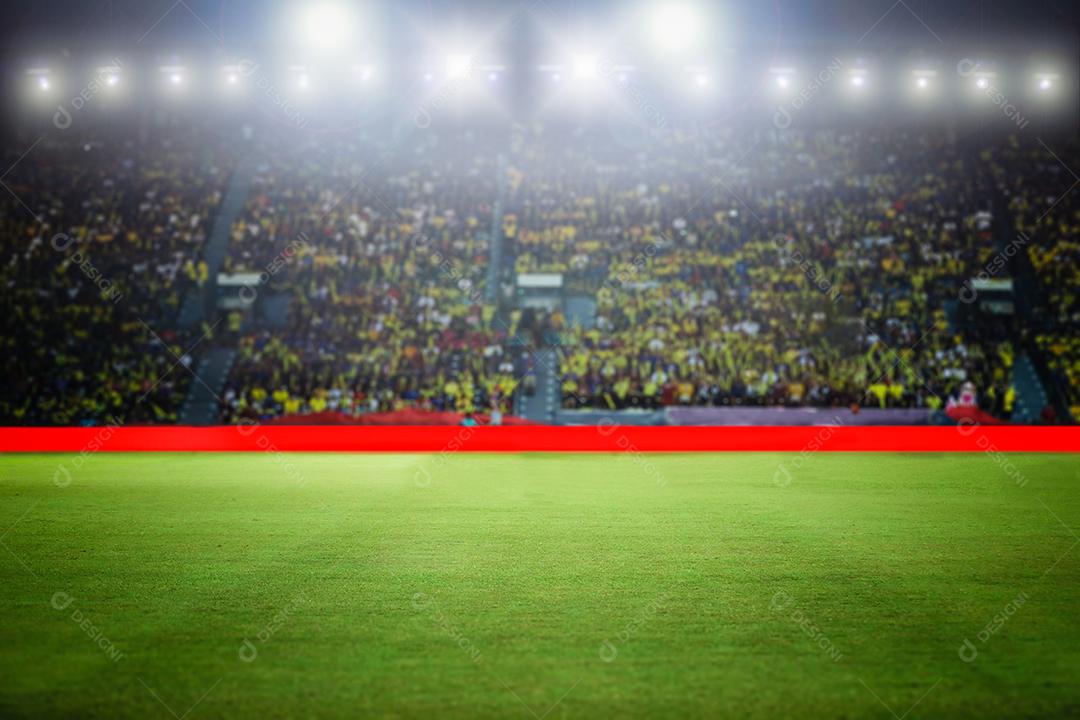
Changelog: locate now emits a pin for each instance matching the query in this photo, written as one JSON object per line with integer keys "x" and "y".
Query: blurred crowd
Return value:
{"x": 769, "y": 269}
{"x": 99, "y": 242}
{"x": 384, "y": 255}
{"x": 713, "y": 267}
{"x": 1043, "y": 185}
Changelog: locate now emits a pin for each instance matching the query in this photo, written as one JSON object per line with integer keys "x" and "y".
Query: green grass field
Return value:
{"x": 539, "y": 586}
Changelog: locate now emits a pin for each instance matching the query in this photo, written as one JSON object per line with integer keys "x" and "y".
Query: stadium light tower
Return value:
{"x": 41, "y": 82}
{"x": 674, "y": 27}
{"x": 174, "y": 76}
{"x": 586, "y": 67}
{"x": 783, "y": 77}
{"x": 1045, "y": 81}
{"x": 109, "y": 76}
{"x": 324, "y": 27}
{"x": 458, "y": 65}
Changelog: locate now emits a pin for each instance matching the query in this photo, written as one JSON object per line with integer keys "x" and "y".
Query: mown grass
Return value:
{"x": 538, "y": 586}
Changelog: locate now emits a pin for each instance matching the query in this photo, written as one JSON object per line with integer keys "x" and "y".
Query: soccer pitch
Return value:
{"x": 539, "y": 586}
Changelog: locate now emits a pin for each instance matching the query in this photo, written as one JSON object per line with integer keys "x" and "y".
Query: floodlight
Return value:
{"x": 858, "y": 80}
{"x": 493, "y": 76}
{"x": 232, "y": 78}
{"x": 784, "y": 77}
{"x": 302, "y": 81}
{"x": 1045, "y": 82}
{"x": 556, "y": 77}
{"x": 701, "y": 79}
{"x": 922, "y": 83}
{"x": 108, "y": 75}
{"x": 325, "y": 27}
{"x": 174, "y": 77}
{"x": 673, "y": 26}
{"x": 43, "y": 83}
{"x": 982, "y": 83}
{"x": 458, "y": 66}
{"x": 585, "y": 67}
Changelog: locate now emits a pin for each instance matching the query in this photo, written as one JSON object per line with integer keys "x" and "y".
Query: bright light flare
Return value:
{"x": 1046, "y": 84}
{"x": 458, "y": 66}
{"x": 674, "y": 27}
{"x": 586, "y": 67}
{"x": 325, "y": 27}
{"x": 784, "y": 77}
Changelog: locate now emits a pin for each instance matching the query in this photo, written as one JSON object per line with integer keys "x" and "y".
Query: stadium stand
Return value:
{"x": 718, "y": 268}
{"x": 815, "y": 269}
{"x": 100, "y": 239}
{"x": 386, "y": 303}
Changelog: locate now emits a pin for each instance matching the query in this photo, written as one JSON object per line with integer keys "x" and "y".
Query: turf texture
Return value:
{"x": 539, "y": 586}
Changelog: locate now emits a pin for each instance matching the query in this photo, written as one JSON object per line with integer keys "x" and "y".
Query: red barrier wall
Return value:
{"x": 601, "y": 438}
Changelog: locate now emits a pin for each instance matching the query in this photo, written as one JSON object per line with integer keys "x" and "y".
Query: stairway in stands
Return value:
{"x": 581, "y": 311}
{"x": 1031, "y": 396}
{"x": 212, "y": 365}
{"x": 541, "y": 406}
{"x": 201, "y": 407}
{"x": 199, "y": 301}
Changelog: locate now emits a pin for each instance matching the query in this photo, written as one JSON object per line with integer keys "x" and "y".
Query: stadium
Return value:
{"x": 662, "y": 358}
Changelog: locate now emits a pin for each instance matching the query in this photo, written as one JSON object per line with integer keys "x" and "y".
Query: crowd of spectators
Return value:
{"x": 726, "y": 268}
{"x": 1042, "y": 186}
{"x": 98, "y": 241}
{"x": 771, "y": 268}
{"x": 383, "y": 254}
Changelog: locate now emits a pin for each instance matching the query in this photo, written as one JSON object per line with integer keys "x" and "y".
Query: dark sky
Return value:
{"x": 930, "y": 25}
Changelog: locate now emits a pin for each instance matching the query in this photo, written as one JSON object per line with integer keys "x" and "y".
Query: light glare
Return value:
{"x": 325, "y": 27}
{"x": 674, "y": 26}
{"x": 458, "y": 65}
{"x": 585, "y": 67}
